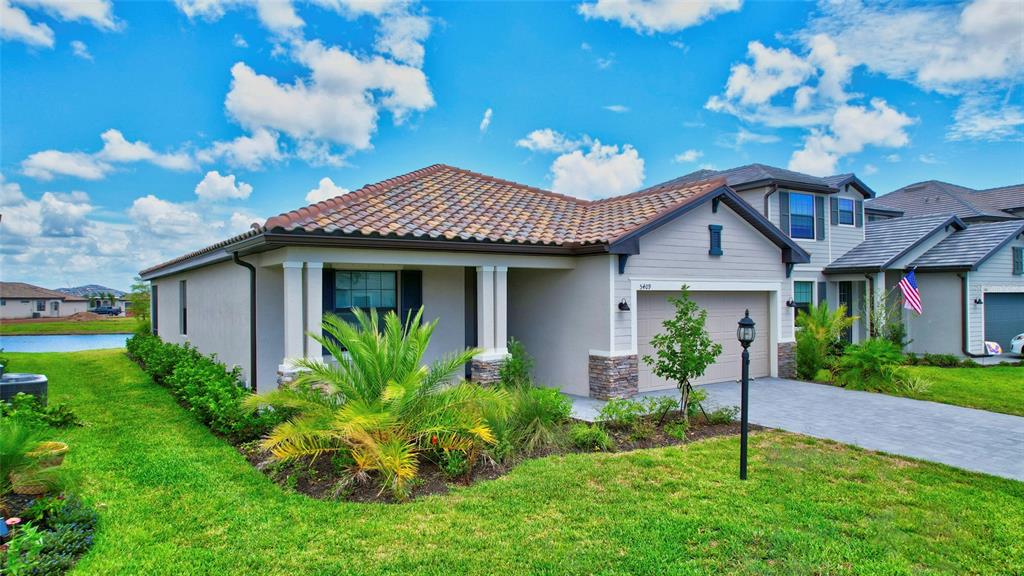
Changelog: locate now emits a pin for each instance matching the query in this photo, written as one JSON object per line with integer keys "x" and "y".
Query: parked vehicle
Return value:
{"x": 1017, "y": 345}
{"x": 107, "y": 310}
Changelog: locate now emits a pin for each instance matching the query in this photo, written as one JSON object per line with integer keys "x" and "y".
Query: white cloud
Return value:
{"x": 485, "y": 122}
{"x": 79, "y": 49}
{"x": 164, "y": 218}
{"x": 972, "y": 51}
{"x": 617, "y": 108}
{"x": 326, "y": 190}
{"x": 772, "y": 72}
{"x": 49, "y": 163}
{"x": 16, "y": 25}
{"x": 737, "y": 140}
{"x": 547, "y": 140}
{"x": 688, "y": 156}
{"x": 650, "y": 16}
{"x": 100, "y": 13}
{"x": 64, "y": 215}
{"x": 214, "y": 187}
{"x": 239, "y": 41}
{"x": 851, "y": 129}
{"x": 250, "y": 152}
{"x": 606, "y": 62}
{"x": 892, "y": 158}
{"x": 870, "y": 169}
{"x": 116, "y": 149}
{"x": 928, "y": 159}
{"x": 241, "y": 221}
{"x": 599, "y": 172}
{"x": 401, "y": 35}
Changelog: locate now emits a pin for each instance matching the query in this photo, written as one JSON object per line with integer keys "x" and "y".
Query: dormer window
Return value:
{"x": 846, "y": 210}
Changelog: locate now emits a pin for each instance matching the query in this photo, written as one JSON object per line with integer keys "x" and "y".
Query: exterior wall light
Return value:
{"x": 979, "y": 301}
{"x": 623, "y": 305}
{"x": 790, "y": 304}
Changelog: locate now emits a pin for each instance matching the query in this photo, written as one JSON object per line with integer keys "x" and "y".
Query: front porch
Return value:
{"x": 467, "y": 293}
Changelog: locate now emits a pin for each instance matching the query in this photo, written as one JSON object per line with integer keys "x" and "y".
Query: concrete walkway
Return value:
{"x": 962, "y": 437}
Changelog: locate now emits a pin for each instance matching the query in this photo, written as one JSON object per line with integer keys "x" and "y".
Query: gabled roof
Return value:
{"x": 936, "y": 197}
{"x": 447, "y": 208}
{"x": 756, "y": 175}
{"x": 886, "y": 241}
{"x": 29, "y": 291}
{"x": 968, "y": 249}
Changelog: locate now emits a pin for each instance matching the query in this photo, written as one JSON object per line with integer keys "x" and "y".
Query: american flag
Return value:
{"x": 911, "y": 297}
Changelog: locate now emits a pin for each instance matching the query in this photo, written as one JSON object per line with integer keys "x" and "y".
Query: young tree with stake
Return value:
{"x": 684, "y": 350}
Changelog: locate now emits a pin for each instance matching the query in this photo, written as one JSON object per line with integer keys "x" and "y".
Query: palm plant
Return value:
{"x": 16, "y": 441}
{"x": 819, "y": 332}
{"x": 379, "y": 402}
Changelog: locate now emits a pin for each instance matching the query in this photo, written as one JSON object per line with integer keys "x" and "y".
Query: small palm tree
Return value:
{"x": 820, "y": 332}
{"x": 380, "y": 403}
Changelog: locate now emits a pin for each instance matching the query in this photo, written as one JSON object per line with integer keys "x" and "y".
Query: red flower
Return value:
{"x": 433, "y": 440}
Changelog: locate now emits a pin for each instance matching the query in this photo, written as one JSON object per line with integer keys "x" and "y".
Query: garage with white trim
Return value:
{"x": 724, "y": 311}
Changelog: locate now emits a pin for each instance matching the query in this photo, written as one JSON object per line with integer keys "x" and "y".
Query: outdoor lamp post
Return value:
{"x": 745, "y": 333}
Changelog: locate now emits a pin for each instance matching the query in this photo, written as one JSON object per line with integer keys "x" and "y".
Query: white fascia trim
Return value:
{"x": 999, "y": 288}
{"x": 611, "y": 354}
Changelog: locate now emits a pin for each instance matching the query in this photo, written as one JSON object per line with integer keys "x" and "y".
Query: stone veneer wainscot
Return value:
{"x": 613, "y": 376}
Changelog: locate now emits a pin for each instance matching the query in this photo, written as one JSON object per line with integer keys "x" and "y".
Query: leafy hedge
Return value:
{"x": 208, "y": 389}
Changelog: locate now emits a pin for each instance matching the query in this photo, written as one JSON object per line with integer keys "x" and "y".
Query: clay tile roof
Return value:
{"x": 442, "y": 201}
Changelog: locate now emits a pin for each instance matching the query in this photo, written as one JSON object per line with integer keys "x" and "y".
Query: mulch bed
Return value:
{"x": 320, "y": 479}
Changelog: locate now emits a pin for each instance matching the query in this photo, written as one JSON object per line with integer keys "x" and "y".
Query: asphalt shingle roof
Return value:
{"x": 936, "y": 197}
{"x": 969, "y": 248}
{"x": 755, "y": 173}
{"x": 887, "y": 240}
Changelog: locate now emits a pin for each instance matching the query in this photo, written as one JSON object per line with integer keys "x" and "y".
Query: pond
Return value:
{"x": 62, "y": 342}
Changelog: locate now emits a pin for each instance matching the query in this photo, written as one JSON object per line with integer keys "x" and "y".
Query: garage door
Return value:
{"x": 724, "y": 310}
{"x": 1004, "y": 317}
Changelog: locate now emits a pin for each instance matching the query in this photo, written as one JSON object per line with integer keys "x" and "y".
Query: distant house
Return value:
{"x": 936, "y": 197}
{"x": 98, "y": 295}
{"x": 20, "y": 300}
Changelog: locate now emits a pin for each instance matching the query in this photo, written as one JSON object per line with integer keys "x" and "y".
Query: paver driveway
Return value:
{"x": 963, "y": 437}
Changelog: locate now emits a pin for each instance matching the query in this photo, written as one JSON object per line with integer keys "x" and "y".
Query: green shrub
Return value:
{"x": 28, "y": 409}
{"x": 677, "y": 429}
{"x": 659, "y": 407}
{"x": 818, "y": 336}
{"x": 515, "y": 370}
{"x": 454, "y": 464}
{"x": 620, "y": 413}
{"x": 210, "y": 391}
{"x": 940, "y": 360}
{"x": 590, "y": 437}
{"x": 537, "y": 415}
{"x": 868, "y": 365}
{"x": 57, "y": 530}
{"x": 642, "y": 429}
{"x": 723, "y": 415}
{"x": 694, "y": 400}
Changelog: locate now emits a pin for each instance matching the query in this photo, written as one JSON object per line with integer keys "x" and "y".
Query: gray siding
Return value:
{"x": 560, "y": 316}
{"x": 679, "y": 251}
{"x": 994, "y": 275}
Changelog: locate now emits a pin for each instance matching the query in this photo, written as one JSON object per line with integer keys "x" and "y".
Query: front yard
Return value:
{"x": 995, "y": 388}
{"x": 107, "y": 325}
{"x": 174, "y": 499}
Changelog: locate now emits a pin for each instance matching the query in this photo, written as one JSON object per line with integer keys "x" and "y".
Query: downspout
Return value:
{"x": 965, "y": 343}
{"x": 252, "y": 318}
{"x": 870, "y": 306}
{"x": 772, "y": 190}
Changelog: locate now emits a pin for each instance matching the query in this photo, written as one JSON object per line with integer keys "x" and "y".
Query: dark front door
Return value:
{"x": 846, "y": 299}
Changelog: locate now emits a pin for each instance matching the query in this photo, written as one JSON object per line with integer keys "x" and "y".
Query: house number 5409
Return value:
{"x": 645, "y": 286}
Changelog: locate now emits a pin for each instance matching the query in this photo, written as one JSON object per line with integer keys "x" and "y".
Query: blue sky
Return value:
{"x": 132, "y": 132}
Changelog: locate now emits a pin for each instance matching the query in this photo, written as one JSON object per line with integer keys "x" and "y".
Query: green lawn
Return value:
{"x": 175, "y": 500}
{"x": 113, "y": 325}
{"x": 995, "y": 388}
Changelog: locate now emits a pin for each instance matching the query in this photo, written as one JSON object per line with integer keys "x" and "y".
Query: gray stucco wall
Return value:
{"x": 218, "y": 312}
{"x": 560, "y": 315}
{"x": 938, "y": 329}
{"x": 444, "y": 300}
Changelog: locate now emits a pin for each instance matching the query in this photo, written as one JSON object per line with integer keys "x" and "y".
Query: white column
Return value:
{"x": 314, "y": 308}
{"x": 501, "y": 310}
{"x": 485, "y": 308}
{"x": 293, "y": 320}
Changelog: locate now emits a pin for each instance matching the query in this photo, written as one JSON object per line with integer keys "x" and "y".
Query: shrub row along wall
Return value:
{"x": 206, "y": 387}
